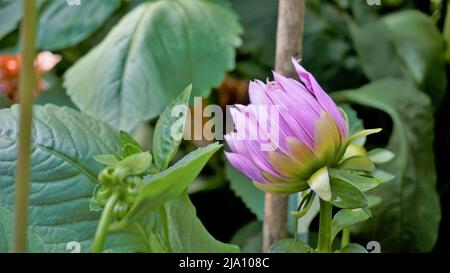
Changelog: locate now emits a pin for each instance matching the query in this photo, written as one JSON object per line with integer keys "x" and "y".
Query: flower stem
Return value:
{"x": 324, "y": 243}
{"x": 103, "y": 224}
{"x": 345, "y": 240}
{"x": 27, "y": 83}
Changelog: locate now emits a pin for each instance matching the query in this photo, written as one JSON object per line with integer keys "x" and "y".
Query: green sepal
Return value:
{"x": 319, "y": 182}
{"x": 357, "y": 162}
{"x": 380, "y": 155}
{"x": 128, "y": 144}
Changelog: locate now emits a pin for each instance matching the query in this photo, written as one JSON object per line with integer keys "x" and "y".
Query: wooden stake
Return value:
{"x": 291, "y": 15}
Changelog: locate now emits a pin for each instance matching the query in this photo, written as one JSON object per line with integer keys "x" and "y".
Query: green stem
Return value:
{"x": 103, "y": 224}
{"x": 27, "y": 84}
{"x": 345, "y": 240}
{"x": 324, "y": 243}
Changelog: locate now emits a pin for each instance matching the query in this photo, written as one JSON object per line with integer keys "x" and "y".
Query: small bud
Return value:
{"x": 106, "y": 176}
{"x": 120, "y": 210}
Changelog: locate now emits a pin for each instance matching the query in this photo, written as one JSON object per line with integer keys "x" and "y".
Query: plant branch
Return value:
{"x": 26, "y": 86}
{"x": 324, "y": 243}
{"x": 345, "y": 239}
{"x": 103, "y": 224}
{"x": 289, "y": 44}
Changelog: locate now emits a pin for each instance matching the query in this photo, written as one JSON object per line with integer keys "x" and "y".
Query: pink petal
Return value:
{"x": 245, "y": 166}
{"x": 325, "y": 101}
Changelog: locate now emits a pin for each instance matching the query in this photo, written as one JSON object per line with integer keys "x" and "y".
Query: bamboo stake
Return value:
{"x": 291, "y": 15}
{"x": 27, "y": 84}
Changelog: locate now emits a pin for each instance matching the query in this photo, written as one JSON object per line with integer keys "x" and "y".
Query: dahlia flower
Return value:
{"x": 304, "y": 129}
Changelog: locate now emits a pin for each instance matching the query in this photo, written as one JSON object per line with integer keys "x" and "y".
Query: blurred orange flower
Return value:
{"x": 10, "y": 71}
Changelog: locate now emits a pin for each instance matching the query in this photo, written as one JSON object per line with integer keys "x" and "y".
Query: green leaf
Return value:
{"x": 354, "y": 122}
{"x": 446, "y": 32}
{"x": 10, "y": 12}
{"x": 34, "y": 242}
{"x": 5, "y": 102}
{"x": 327, "y": 51}
{"x": 346, "y": 195}
{"x": 364, "y": 183}
{"x": 408, "y": 218}
{"x": 347, "y": 218}
{"x": 128, "y": 144}
{"x": 380, "y": 156}
{"x": 408, "y": 45}
{"x": 136, "y": 164}
{"x": 169, "y": 130}
{"x": 106, "y": 159}
{"x": 353, "y": 248}
{"x": 165, "y": 186}
{"x": 259, "y": 19}
{"x": 64, "y": 177}
{"x": 358, "y": 162}
{"x": 62, "y": 25}
{"x": 252, "y": 197}
{"x": 153, "y": 52}
{"x": 290, "y": 246}
{"x": 63, "y": 173}
{"x": 174, "y": 227}
{"x": 186, "y": 232}
{"x": 382, "y": 176}
{"x": 249, "y": 237}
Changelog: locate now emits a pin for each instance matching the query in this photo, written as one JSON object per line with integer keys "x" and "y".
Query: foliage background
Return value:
{"x": 391, "y": 59}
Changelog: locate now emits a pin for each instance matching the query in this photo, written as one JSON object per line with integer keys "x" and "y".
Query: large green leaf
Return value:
{"x": 169, "y": 130}
{"x": 408, "y": 44}
{"x": 34, "y": 242}
{"x": 154, "y": 52}
{"x": 252, "y": 197}
{"x": 10, "y": 14}
{"x": 408, "y": 218}
{"x": 62, "y": 25}
{"x": 63, "y": 173}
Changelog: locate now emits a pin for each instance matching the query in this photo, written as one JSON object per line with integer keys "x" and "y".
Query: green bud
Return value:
{"x": 120, "y": 210}
{"x": 134, "y": 185}
{"x": 103, "y": 194}
{"x": 106, "y": 175}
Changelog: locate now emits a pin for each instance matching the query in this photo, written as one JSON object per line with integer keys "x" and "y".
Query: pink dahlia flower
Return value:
{"x": 304, "y": 129}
